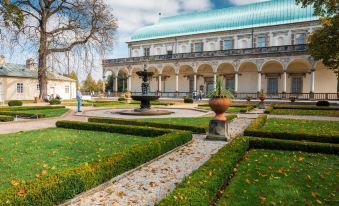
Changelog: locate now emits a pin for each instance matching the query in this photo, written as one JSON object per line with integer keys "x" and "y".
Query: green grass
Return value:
{"x": 321, "y": 128}
{"x": 48, "y": 112}
{"x": 26, "y": 156}
{"x": 273, "y": 177}
{"x": 196, "y": 121}
{"x": 304, "y": 112}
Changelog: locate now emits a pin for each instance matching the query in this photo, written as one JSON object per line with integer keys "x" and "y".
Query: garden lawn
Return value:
{"x": 274, "y": 177}
{"x": 48, "y": 112}
{"x": 196, "y": 121}
{"x": 30, "y": 155}
{"x": 321, "y": 128}
{"x": 305, "y": 112}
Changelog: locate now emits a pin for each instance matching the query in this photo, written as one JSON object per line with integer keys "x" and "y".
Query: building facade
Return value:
{"x": 20, "y": 82}
{"x": 260, "y": 46}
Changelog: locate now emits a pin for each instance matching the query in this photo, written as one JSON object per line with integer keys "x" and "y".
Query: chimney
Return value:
{"x": 30, "y": 64}
{"x": 2, "y": 60}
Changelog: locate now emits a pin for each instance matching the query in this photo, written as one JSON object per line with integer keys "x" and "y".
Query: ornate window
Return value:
{"x": 197, "y": 47}
{"x": 19, "y": 88}
{"x": 300, "y": 38}
{"x": 67, "y": 89}
{"x": 228, "y": 44}
{"x": 261, "y": 41}
{"x": 146, "y": 52}
{"x": 297, "y": 85}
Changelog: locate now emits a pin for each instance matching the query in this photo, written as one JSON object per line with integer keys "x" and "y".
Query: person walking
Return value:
{"x": 79, "y": 98}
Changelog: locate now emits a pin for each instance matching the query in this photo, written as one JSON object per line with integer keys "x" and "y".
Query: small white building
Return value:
{"x": 20, "y": 82}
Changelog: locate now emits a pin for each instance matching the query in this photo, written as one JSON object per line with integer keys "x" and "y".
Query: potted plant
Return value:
{"x": 220, "y": 100}
{"x": 262, "y": 95}
{"x": 293, "y": 99}
{"x": 248, "y": 99}
{"x": 128, "y": 94}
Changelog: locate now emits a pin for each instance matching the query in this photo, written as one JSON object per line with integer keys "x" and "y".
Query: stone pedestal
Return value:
{"x": 262, "y": 105}
{"x": 218, "y": 130}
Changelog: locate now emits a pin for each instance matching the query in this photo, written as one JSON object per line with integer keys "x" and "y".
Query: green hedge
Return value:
{"x": 30, "y": 108}
{"x": 201, "y": 186}
{"x": 277, "y": 144}
{"x": 254, "y": 130}
{"x": 15, "y": 103}
{"x": 6, "y": 118}
{"x": 55, "y": 189}
{"x": 147, "y": 124}
{"x": 303, "y": 107}
{"x": 55, "y": 102}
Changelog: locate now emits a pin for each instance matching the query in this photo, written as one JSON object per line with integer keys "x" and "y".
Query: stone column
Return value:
{"x": 176, "y": 82}
{"x": 195, "y": 82}
{"x": 160, "y": 84}
{"x": 312, "y": 81}
{"x": 215, "y": 80}
{"x": 259, "y": 81}
{"x": 129, "y": 83}
{"x": 115, "y": 87}
{"x": 285, "y": 82}
{"x": 236, "y": 82}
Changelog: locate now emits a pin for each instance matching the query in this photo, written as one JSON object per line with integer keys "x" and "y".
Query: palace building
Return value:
{"x": 260, "y": 46}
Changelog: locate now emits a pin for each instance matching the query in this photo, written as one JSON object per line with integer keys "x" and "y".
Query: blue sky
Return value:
{"x": 131, "y": 15}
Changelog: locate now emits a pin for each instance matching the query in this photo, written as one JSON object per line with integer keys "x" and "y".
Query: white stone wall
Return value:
{"x": 30, "y": 88}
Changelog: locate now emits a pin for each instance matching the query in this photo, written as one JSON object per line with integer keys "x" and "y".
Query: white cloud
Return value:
{"x": 134, "y": 14}
{"x": 242, "y": 2}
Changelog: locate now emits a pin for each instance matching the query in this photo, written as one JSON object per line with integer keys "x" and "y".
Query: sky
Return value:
{"x": 132, "y": 15}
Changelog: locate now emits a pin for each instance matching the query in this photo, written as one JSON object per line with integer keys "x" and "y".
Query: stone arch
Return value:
{"x": 298, "y": 70}
{"x": 168, "y": 83}
{"x": 327, "y": 77}
{"x": 272, "y": 79}
{"x": 298, "y": 65}
{"x": 186, "y": 78}
{"x": 154, "y": 86}
{"x": 272, "y": 66}
{"x": 136, "y": 80}
{"x": 225, "y": 68}
{"x": 122, "y": 77}
{"x": 205, "y": 78}
{"x": 227, "y": 71}
{"x": 248, "y": 77}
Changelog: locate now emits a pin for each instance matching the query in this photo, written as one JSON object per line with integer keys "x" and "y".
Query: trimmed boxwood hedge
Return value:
{"x": 30, "y": 108}
{"x": 303, "y": 107}
{"x": 15, "y": 103}
{"x": 22, "y": 114}
{"x": 201, "y": 186}
{"x": 55, "y": 189}
{"x": 254, "y": 129}
{"x": 6, "y": 118}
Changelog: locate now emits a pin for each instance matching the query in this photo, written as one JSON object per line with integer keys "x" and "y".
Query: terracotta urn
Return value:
{"x": 128, "y": 95}
{"x": 262, "y": 98}
{"x": 219, "y": 106}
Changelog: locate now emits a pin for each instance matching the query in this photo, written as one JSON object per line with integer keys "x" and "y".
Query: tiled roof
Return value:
{"x": 18, "y": 70}
{"x": 261, "y": 14}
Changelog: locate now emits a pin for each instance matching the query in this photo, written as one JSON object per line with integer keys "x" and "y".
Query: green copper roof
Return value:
{"x": 18, "y": 70}
{"x": 267, "y": 13}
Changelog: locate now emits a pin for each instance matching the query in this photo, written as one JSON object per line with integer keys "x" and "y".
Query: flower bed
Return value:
{"x": 315, "y": 131}
{"x": 56, "y": 188}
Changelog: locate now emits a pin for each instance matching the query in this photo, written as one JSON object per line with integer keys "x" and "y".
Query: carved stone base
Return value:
{"x": 262, "y": 105}
{"x": 218, "y": 130}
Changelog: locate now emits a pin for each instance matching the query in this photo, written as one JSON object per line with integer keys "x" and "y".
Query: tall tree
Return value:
{"x": 73, "y": 75}
{"x": 323, "y": 43}
{"x": 100, "y": 86}
{"x": 89, "y": 85}
{"x": 10, "y": 14}
{"x": 58, "y": 26}
{"x": 109, "y": 83}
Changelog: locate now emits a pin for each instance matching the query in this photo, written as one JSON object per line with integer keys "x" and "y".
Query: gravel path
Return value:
{"x": 334, "y": 119}
{"x": 28, "y": 125}
{"x": 151, "y": 182}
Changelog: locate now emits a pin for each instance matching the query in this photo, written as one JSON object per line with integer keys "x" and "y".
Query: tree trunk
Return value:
{"x": 42, "y": 70}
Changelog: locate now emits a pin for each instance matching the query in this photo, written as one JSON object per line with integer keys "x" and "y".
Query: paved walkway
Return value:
{"x": 27, "y": 125}
{"x": 333, "y": 119}
{"x": 151, "y": 182}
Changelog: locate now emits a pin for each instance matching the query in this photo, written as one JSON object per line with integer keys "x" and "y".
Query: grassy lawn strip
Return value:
{"x": 202, "y": 186}
{"x": 44, "y": 113}
{"x": 195, "y": 125}
{"x": 94, "y": 167}
{"x": 273, "y": 177}
{"x": 308, "y": 130}
{"x": 302, "y": 110}
{"x": 25, "y": 155}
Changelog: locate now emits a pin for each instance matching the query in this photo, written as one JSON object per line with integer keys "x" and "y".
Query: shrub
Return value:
{"x": 122, "y": 99}
{"x": 55, "y": 102}
{"x": 22, "y": 114}
{"x": 150, "y": 124}
{"x": 202, "y": 185}
{"x": 54, "y": 189}
{"x": 293, "y": 99}
{"x": 6, "y": 118}
{"x": 188, "y": 101}
{"x": 15, "y": 103}
{"x": 303, "y": 107}
{"x": 323, "y": 104}
{"x": 268, "y": 110}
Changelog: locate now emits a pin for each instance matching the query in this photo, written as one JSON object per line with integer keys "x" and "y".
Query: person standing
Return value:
{"x": 79, "y": 98}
